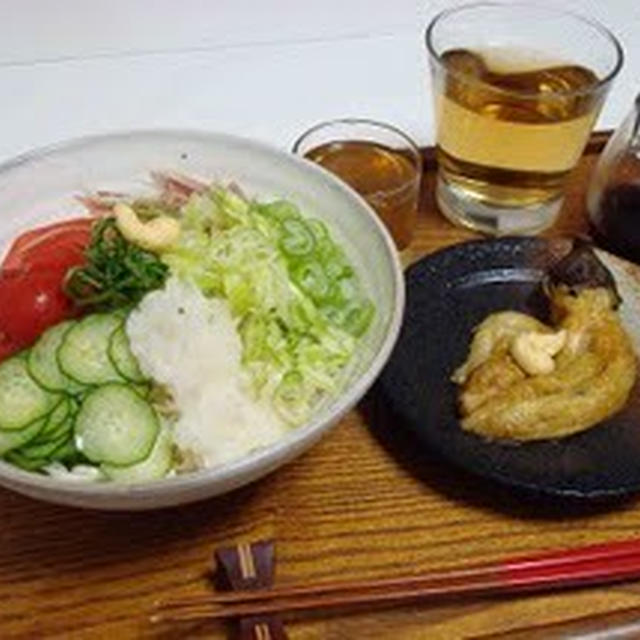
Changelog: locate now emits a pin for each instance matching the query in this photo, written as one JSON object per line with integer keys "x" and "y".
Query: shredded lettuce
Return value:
{"x": 297, "y": 300}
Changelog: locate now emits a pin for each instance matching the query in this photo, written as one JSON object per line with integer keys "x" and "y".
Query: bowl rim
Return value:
{"x": 268, "y": 458}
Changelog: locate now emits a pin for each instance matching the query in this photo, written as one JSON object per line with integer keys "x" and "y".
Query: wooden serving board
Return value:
{"x": 364, "y": 502}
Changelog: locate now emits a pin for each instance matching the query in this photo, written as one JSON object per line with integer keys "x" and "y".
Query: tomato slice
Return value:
{"x": 31, "y": 278}
{"x": 30, "y": 301}
{"x": 74, "y": 231}
{"x": 64, "y": 251}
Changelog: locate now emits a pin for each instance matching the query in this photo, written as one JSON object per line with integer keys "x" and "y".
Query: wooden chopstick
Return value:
{"x": 591, "y": 564}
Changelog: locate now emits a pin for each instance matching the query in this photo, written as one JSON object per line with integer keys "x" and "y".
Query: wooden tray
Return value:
{"x": 360, "y": 504}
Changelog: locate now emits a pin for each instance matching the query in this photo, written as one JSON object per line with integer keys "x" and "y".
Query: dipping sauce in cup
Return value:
{"x": 379, "y": 161}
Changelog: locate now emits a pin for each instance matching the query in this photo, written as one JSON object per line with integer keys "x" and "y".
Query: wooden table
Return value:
{"x": 362, "y": 503}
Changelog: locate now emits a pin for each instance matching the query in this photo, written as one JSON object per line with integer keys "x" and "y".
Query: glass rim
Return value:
{"x": 374, "y": 124}
{"x": 358, "y": 121}
{"x": 590, "y": 22}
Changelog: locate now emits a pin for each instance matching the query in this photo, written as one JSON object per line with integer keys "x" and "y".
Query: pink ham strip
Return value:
{"x": 176, "y": 188}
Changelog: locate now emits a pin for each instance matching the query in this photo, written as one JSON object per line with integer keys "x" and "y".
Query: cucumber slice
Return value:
{"x": 10, "y": 440}
{"x": 143, "y": 389}
{"x": 156, "y": 466}
{"x": 59, "y": 415}
{"x": 84, "y": 352}
{"x": 22, "y": 400}
{"x": 122, "y": 358}
{"x": 67, "y": 452}
{"x": 115, "y": 425}
{"x": 16, "y": 458}
{"x": 43, "y": 361}
{"x": 65, "y": 427}
{"x": 44, "y": 449}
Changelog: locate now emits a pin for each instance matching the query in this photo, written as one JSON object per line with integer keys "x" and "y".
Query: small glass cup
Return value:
{"x": 517, "y": 89}
{"x": 379, "y": 161}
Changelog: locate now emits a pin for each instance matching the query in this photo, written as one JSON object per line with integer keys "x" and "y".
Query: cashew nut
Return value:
{"x": 534, "y": 351}
{"x": 155, "y": 235}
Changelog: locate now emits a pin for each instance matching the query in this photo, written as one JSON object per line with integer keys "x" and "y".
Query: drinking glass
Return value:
{"x": 517, "y": 89}
{"x": 378, "y": 160}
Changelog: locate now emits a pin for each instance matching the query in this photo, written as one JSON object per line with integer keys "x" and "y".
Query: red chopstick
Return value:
{"x": 587, "y": 565}
{"x": 595, "y": 561}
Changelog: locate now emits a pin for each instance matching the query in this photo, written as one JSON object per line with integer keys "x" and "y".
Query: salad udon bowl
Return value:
{"x": 43, "y": 186}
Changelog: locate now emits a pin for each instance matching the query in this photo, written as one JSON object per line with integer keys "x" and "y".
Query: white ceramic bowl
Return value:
{"x": 42, "y": 186}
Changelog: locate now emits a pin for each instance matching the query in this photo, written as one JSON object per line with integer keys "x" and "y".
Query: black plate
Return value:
{"x": 448, "y": 294}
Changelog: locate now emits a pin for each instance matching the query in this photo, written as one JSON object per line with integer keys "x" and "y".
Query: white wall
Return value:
{"x": 261, "y": 68}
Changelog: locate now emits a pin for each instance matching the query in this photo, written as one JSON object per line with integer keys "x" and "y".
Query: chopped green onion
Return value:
{"x": 299, "y": 305}
{"x": 312, "y": 279}
{"x": 117, "y": 273}
{"x": 297, "y": 239}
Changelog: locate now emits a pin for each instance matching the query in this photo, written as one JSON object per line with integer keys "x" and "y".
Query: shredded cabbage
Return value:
{"x": 297, "y": 301}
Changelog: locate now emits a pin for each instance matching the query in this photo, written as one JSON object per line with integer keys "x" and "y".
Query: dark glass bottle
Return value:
{"x": 613, "y": 199}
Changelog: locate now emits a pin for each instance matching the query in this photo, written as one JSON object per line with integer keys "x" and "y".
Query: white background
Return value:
{"x": 261, "y": 68}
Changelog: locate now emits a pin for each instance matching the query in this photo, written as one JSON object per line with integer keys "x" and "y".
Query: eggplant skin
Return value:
{"x": 594, "y": 372}
{"x": 580, "y": 269}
